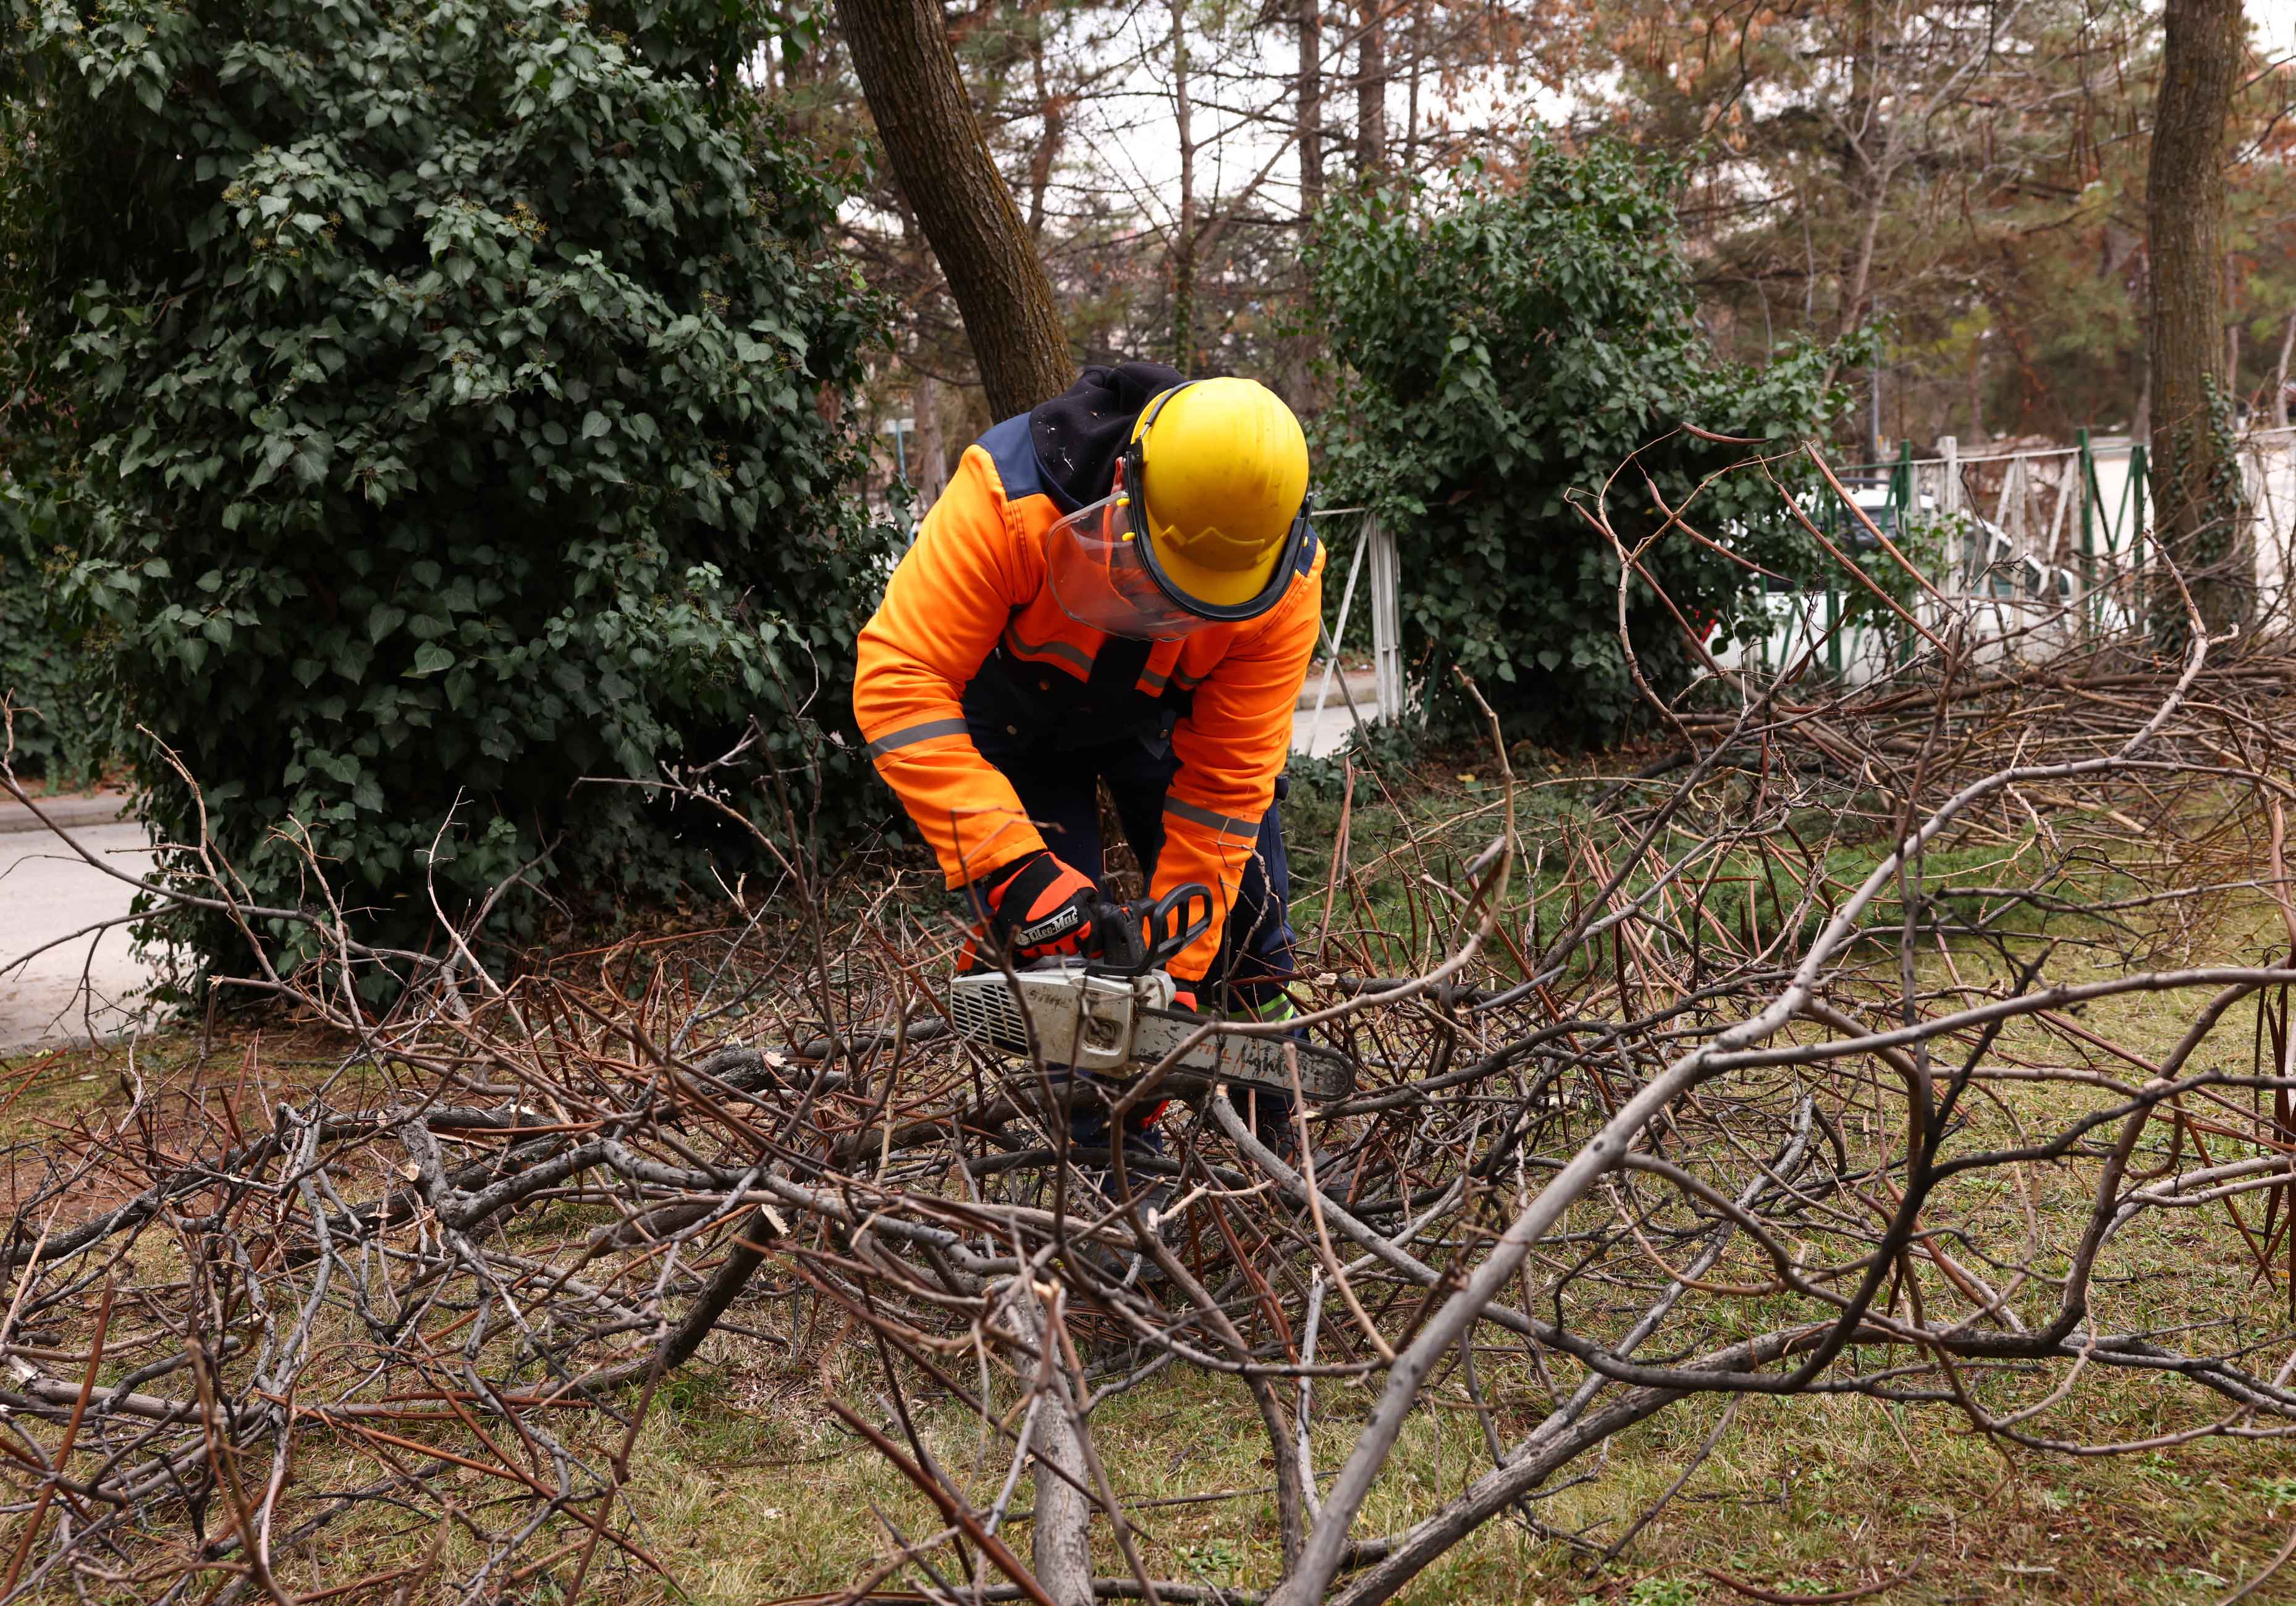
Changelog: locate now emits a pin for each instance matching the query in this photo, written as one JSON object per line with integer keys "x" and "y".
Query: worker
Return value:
{"x": 1120, "y": 585}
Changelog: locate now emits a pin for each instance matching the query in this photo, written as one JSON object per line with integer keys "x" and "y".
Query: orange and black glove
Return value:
{"x": 1042, "y": 906}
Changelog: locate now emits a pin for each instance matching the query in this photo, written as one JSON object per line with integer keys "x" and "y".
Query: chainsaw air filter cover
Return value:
{"x": 1080, "y": 1019}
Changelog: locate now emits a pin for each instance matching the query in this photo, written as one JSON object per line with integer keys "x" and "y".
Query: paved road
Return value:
{"x": 1321, "y": 737}
{"x": 47, "y": 892}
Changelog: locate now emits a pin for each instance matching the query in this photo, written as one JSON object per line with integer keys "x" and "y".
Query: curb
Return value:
{"x": 1363, "y": 685}
{"x": 105, "y": 808}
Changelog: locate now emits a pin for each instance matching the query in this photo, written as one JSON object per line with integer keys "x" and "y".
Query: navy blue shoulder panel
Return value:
{"x": 1012, "y": 449}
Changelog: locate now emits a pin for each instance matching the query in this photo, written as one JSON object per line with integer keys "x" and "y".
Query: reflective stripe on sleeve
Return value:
{"x": 1221, "y": 823}
{"x": 925, "y": 732}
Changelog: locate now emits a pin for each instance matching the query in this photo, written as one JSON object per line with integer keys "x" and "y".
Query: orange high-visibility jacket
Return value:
{"x": 974, "y": 583}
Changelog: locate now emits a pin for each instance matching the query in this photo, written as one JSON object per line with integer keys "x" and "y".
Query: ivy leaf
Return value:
{"x": 1500, "y": 350}
{"x": 333, "y": 548}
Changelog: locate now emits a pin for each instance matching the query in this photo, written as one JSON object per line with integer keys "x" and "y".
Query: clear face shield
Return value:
{"x": 1104, "y": 574}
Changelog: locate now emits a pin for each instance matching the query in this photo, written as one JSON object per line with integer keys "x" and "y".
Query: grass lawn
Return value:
{"x": 746, "y": 1488}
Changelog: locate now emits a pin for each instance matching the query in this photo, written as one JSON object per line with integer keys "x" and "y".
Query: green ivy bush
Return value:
{"x": 58, "y": 725}
{"x": 1501, "y": 349}
{"x": 32, "y": 662}
{"x": 55, "y": 729}
{"x": 462, "y": 392}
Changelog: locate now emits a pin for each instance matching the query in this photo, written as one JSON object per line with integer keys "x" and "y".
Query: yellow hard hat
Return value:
{"x": 1222, "y": 476}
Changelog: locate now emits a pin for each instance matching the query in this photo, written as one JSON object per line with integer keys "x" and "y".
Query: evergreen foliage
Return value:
{"x": 1501, "y": 351}
{"x": 460, "y": 392}
{"x": 56, "y": 724}
{"x": 57, "y": 715}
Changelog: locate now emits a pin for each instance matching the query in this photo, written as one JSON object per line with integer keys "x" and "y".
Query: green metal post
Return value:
{"x": 2086, "y": 468}
{"x": 1833, "y": 631}
{"x": 2088, "y": 526}
{"x": 1901, "y": 492}
{"x": 2139, "y": 471}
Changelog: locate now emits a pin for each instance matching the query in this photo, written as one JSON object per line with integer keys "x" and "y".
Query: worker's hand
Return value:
{"x": 1184, "y": 996}
{"x": 1042, "y": 906}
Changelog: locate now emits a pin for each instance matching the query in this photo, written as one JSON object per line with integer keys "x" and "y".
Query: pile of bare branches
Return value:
{"x": 1741, "y": 1075}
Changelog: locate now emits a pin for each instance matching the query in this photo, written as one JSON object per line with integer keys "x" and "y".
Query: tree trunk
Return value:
{"x": 1309, "y": 133}
{"x": 1053, "y": 111}
{"x": 1371, "y": 92}
{"x": 2232, "y": 323}
{"x": 2140, "y": 423}
{"x": 1061, "y": 1555}
{"x": 1977, "y": 390}
{"x": 2280, "y": 375}
{"x": 908, "y": 72}
{"x": 1183, "y": 245}
{"x": 929, "y": 471}
{"x": 1858, "y": 283}
{"x": 1308, "y": 138}
{"x": 2197, "y": 516}
{"x": 2125, "y": 259}
{"x": 1411, "y": 99}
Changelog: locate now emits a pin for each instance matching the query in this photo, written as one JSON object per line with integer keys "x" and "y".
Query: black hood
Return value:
{"x": 1081, "y": 433}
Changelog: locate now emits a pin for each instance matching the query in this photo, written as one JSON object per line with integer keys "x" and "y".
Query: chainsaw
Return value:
{"x": 1110, "y": 1011}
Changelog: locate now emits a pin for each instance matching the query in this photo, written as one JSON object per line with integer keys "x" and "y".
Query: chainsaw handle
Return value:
{"x": 1176, "y": 920}
{"x": 1136, "y": 938}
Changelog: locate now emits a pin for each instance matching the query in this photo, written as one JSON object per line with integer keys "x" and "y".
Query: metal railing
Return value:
{"x": 1355, "y": 536}
{"x": 2026, "y": 546}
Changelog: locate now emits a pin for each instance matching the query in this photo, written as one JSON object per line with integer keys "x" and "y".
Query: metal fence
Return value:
{"x": 1359, "y": 578}
{"x": 2027, "y": 548}
{"x": 2023, "y": 548}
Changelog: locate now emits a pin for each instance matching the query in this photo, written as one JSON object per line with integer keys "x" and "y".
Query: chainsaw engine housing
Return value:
{"x": 1082, "y": 1019}
{"x": 1115, "y": 1026}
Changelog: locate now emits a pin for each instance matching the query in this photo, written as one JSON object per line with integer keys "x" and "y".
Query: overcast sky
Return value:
{"x": 1123, "y": 139}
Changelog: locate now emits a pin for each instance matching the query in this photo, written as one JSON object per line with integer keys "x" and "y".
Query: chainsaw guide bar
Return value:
{"x": 1115, "y": 1027}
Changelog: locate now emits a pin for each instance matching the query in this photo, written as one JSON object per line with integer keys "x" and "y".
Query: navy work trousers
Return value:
{"x": 1059, "y": 789}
